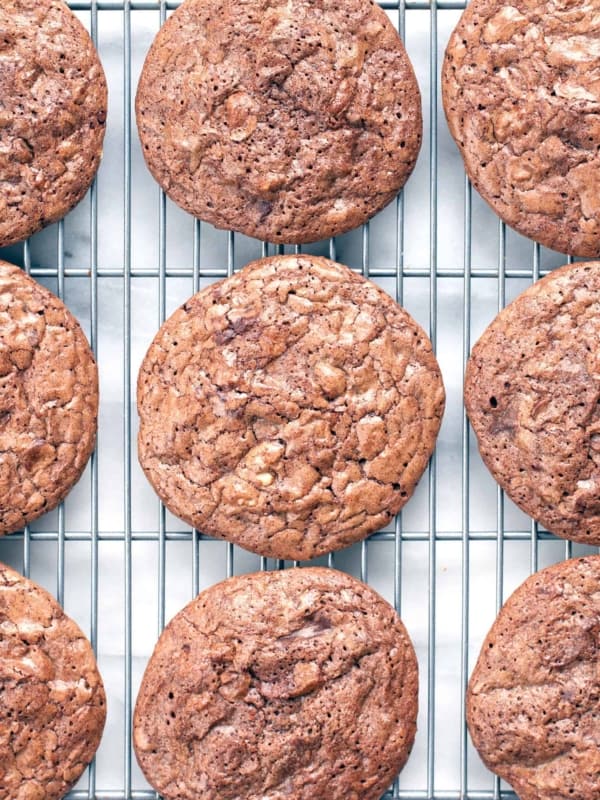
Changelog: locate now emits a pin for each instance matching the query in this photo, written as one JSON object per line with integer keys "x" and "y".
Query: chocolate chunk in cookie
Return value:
{"x": 291, "y": 408}
{"x": 301, "y": 683}
{"x": 288, "y": 121}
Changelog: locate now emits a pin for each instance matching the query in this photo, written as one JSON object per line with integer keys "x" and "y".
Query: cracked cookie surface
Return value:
{"x": 521, "y": 90}
{"x": 532, "y": 701}
{"x": 290, "y": 408}
{"x": 287, "y": 120}
{"x": 48, "y": 399}
{"x": 532, "y": 392}
{"x": 301, "y": 683}
{"x": 53, "y": 703}
{"x": 53, "y": 103}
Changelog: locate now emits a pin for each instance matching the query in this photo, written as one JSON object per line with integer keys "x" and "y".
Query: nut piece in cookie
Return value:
{"x": 301, "y": 683}
{"x": 48, "y": 400}
{"x": 53, "y": 703}
{"x": 522, "y": 98}
{"x": 287, "y": 120}
{"x": 290, "y": 408}
{"x": 532, "y": 392}
{"x": 53, "y": 102}
{"x": 532, "y": 701}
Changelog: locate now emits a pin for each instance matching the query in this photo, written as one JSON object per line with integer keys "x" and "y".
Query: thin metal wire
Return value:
{"x": 196, "y": 288}
{"x": 26, "y": 532}
{"x": 500, "y": 534}
{"x": 415, "y": 271}
{"x": 433, "y": 177}
{"x": 464, "y": 654}
{"x": 127, "y": 728}
{"x": 94, "y": 457}
{"x": 153, "y": 5}
{"x": 399, "y": 287}
{"x": 60, "y": 555}
{"x": 534, "y": 526}
{"x": 380, "y": 536}
{"x": 146, "y": 794}
{"x": 162, "y": 310}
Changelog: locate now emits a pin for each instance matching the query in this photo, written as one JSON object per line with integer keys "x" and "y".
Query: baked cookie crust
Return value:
{"x": 522, "y": 99}
{"x": 532, "y": 701}
{"x": 287, "y": 121}
{"x": 48, "y": 400}
{"x": 291, "y": 408}
{"x": 53, "y": 703}
{"x": 532, "y": 390}
{"x": 301, "y": 683}
{"x": 53, "y": 105}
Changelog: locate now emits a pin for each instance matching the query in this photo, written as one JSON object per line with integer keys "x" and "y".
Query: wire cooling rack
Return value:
{"x": 122, "y": 566}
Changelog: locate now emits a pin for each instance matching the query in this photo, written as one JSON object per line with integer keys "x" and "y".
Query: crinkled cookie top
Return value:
{"x": 532, "y": 703}
{"x": 53, "y": 704}
{"x": 287, "y": 120}
{"x": 521, "y": 88}
{"x": 291, "y": 408}
{"x": 48, "y": 399}
{"x": 301, "y": 683}
{"x": 532, "y": 392}
{"x": 53, "y": 102}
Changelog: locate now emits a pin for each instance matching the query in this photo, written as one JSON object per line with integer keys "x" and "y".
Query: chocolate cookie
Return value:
{"x": 48, "y": 399}
{"x": 301, "y": 683}
{"x": 522, "y": 99}
{"x": 532, "y": 702}
{"x": 532, "y": 392}
{"x": 53, "y": 103}
{"x": 287, "y": 120}
{"x": 291, "y": 408}
{"x": 53, "y": 704}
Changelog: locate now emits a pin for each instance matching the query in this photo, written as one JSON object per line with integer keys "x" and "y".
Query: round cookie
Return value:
{"x": 48, "y": 399}
{"x": 522, "y": 102}
{"x": 532, "y": 701}
{"x": 53, "y": 103}
{"x": 287, "y": 120}
{"x": 532, "y": 392}
{"x": 290, "y": 408}
{"x": 53, "y": 703}
{"x": 301, "y": 683}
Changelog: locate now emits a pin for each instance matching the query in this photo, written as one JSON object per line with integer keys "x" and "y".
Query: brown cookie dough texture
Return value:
{"x": 53, "y": 102}
{"x": 301, "y": 683}
{"x": 48, "y": 399}
{"x": 532, "y": 392}
{"x": 53, "y": 704}
{"x": 287, "y": 120}
{"x": 522, "y": 97}
{"x": 532, "y": 702}
{"x": 291, "y": 408}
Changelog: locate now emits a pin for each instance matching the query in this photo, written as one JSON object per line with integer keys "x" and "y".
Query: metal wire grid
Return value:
{"x": 47, "y": 258}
